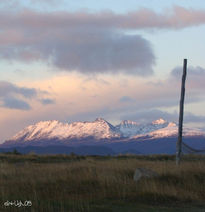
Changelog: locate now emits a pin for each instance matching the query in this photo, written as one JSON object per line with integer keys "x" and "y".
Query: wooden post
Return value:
{"x": 181, "y": 114}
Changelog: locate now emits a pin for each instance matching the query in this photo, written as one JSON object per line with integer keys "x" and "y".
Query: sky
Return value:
{"x": 115, "y": 59}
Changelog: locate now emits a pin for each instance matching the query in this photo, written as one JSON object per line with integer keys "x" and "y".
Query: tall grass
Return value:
{"x": 89, "y": 183}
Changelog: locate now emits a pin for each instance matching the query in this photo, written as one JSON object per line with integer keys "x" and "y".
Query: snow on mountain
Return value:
{"x": 99, "y": 129}
{"x": 101, "y": 137}
{"x": 159, "y": 122}
{"x": 156, "y": 129}
{"x": 42, "y": 130}
{"x": 172, "y": 130}
{"x": 130, "y": 128}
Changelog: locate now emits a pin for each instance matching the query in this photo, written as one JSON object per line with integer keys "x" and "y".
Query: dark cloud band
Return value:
{"x": 16, "y": 97}
{"x": 88, "y": 42}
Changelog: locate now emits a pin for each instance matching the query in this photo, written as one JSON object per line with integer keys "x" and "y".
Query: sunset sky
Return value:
{"x": 77, "y": 60}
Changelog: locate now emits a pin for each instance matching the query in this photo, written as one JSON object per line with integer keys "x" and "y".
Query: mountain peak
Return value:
{"x": 128, "y": 123}
{"x": 172, "y": 124}
{"x": 100, "y": 120}
{"x": 50, "y": 122}
{"x": 159, "y": 121}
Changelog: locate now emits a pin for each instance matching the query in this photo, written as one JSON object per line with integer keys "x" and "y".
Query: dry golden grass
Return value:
{"x": 92, "y": 183}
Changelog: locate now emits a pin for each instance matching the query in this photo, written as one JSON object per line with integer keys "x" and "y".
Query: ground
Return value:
{"x": 74, "y": 183}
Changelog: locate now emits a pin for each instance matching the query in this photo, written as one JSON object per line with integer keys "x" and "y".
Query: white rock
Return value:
{"x": 143, "y": 172}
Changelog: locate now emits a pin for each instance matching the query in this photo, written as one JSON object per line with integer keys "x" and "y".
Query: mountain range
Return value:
{"x": 101, "y": 137}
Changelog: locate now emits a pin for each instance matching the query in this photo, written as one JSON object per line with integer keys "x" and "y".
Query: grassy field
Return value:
{"x": 93, "y": 183}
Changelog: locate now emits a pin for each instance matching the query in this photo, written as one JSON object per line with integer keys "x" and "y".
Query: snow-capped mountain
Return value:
{"x": 130, "y": 128}
{"x": 100, "y": 137}
{"x": 172, "y": 130}
{"x": 98, "y": 129}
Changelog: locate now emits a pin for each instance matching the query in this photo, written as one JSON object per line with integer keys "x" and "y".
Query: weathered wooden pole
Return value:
{"x": 181, "y": 114}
